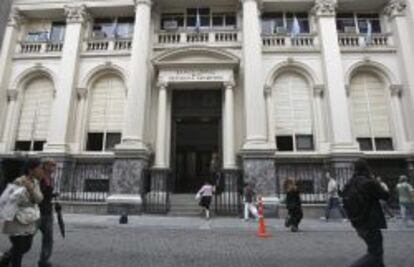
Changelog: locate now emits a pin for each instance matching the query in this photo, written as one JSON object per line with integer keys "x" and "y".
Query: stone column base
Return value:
{"x": 124, "y": 204}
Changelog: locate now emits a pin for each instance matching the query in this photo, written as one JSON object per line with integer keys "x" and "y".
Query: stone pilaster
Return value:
{"x": 260, "y": 171}
{"x": 62, "y": 109}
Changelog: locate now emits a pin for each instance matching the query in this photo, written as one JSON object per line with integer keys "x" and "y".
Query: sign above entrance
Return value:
{"x": 196, "y": 74}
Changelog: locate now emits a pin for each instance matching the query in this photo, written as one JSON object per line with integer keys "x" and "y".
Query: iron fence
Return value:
{"x": 83, "y": 181}
{"x": 156, "y": 191}
{"x": 228, "y": 197}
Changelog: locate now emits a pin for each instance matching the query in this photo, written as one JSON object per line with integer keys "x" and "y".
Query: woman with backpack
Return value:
{"x": 293, "y": 205}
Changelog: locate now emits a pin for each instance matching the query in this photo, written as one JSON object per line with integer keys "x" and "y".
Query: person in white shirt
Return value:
{"x": 206, "y": 193}
{"x": 384, "y": 204}
{"x": 333, "y": 197}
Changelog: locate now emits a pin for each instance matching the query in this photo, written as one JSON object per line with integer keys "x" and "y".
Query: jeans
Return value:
{"x": 407, "y": 210}
{"x": 20, "y": 245}
{"x": 46, "y": 227}
{"x": 333, "y": 203}
{"x": 375, "y": 255}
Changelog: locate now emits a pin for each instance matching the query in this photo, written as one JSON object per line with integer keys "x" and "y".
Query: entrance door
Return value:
{"x": 196, "y": 128}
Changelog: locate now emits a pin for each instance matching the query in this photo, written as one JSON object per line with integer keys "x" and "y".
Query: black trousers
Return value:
{"x": 46, "y": 227}
{"x": 20, "y": 245}
{"x": 295, "y": 215}
{"x": 375, "y": 255}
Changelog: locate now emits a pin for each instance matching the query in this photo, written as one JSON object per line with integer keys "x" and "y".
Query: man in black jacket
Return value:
{"x": 369, "y": 228}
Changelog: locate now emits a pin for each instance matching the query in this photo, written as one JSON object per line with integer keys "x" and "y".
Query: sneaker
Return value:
{"x": 45, "y": 264}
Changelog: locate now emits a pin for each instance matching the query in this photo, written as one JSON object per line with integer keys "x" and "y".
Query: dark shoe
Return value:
{"x": 287, "y": 222}
{"x": 294, "y": 229}
{"x": 44, "y": 264}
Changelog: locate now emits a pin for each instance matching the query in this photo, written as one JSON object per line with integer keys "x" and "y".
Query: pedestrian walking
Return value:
{"x": 249, "y": 196}
{"x": 361, "y": 197}
{"x": 406, "y": 199}
{"x": 384, "y": 204}
{"x": 46, "y": 213}
{"x": 206, "y": 194}
{"x": 333, "y": 198}
{"x": 23, "y": 227}
{"x": 293, "y": 205}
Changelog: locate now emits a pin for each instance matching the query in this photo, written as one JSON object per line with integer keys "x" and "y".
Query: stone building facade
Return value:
{"x": 136, "y": 96}
{"x": 4, "y": 14}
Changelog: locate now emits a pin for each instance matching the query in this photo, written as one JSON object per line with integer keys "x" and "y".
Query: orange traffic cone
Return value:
{"x": 261, "y": 230}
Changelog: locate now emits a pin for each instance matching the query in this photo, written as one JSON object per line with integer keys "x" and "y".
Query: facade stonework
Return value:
{"x": 148, "y": 94}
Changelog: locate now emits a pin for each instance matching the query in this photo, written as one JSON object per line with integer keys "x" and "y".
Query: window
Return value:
{"x": 172, "y": 21}
{"x": 198, "y": 17}
{"x": 227, "y": 20}
{"x": 292, "y": 113}
{"x": 106, "y": 114}
{"x": 122, "y": 27}
{"x": 34, "y": 115}
{"x": 40, "y": 36}
{"x": 370, "y": 113}
{"x": 57, "y": 34}
{"x": 281, "y": 23}
{"x": 357, "y": 23}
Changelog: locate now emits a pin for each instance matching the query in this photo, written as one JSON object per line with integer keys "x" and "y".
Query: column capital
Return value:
{"x": 82, "y": 93}
{"x": 12, "y": 94}
{"x": 143, "y": 2}
{"x": 229, "y": 85}
{"x": 16, "y": 18}
{"x": 319, "y": 90}
{"x": 396, "y": 90}
{"x": 162, "y": 84}
{"x": 259, "y": 2}
{"x": 395, "y": 8}
{"x": 76, "y": 14}
{"x": 324, "y": 8}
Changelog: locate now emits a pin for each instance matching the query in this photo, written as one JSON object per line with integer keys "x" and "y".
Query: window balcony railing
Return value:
{"x": 287, "y": 41}
{"x": 40, "y": 47}
{"x": 98, "y": 45}
{"x": 355, "y": 40}
{"x": 204, "y": 37}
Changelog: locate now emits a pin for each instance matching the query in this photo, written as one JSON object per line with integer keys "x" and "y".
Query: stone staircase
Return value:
{"x": 184, "y": 205}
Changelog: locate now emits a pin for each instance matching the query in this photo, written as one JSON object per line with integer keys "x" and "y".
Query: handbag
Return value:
{"x": 28, "y": 215}
{"x": 8, "y": 201}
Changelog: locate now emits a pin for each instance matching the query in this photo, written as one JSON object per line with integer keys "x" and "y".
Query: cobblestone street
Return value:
{"x": 175, "y": 241}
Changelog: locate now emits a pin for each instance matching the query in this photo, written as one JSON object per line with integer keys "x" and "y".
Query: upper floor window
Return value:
{"x": 54, "y": 32}
{"x": 358, "y": 23}
{"x": 198, "y": 18}
{"x": 278, "y": 22}
{"x": 121, "y": 27}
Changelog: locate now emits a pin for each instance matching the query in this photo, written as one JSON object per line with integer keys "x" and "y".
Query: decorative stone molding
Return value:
{"x": 82, "y": 93}
{"x": 12, "y": 94}
{"x": 16, "y": 19}
{"x": 324, "y": 8}
{"x": 143, "y": 2}
{"x": 347, "y": 90}
{"x": 76, "y": 14}
{"x": 290, "y": 60}
{"x": 162, "y": 84}
{"x": 318, "y": 90}
{"x": 395, "y": 8}
{"x": 396, "y": 90}
{"x": 229, "y": 85}
{"x": 268, "y": 91}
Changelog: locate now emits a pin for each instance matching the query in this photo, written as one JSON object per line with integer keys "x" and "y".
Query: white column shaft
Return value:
{"x": 229, "y": 159}
{"x": 398, "y": 123}
{"x": 160, "y": 154}
{"x": 133, "y": 133}
{"x": 335, "y": 84}
{"x": 9, "y": 126}
{"x": 271, "y": 131}
{"x": 59, "y": 127}
{"x": 319, "y": 121}
{"x": 255, "y": 108}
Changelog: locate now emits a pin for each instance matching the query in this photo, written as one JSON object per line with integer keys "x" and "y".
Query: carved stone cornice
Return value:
{"x": 76, "y": 14}
{"x": 12, "y": 94}
{"x": 229, "y": 85}
{"x": 396, "y": 90}
{"x": 143, "y": 2}
{"x": 16, "y": 19}
{"x": 162, "y": 84}
{"x": 395, "y": 8}
{"x": 82, "y": 93}
{"x": 318, "y": 90}
{"x": 324, "y": 8}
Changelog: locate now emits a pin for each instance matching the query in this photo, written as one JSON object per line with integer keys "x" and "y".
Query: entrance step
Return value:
{"x": 184, "y": 205}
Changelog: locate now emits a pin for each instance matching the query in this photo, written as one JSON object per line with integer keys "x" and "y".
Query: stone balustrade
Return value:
{"x": 212, "y": 37}
{"x": 377, "y": 40}
{"x": 98, "y": 45}
{"x": 40, "y": 47}
{"x": 284, "y": 40}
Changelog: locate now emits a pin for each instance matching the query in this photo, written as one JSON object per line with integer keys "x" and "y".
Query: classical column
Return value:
{"x": 6, "y": 56}
{"x": 398, "y": 121}
{"x": 229, "y": 159}
{"x": 320, "y": 127}
{"x": 62, "y": 109}
{"x": 136, "y": 109}
{"x": 7, "y": 140}
{"x": 395, "y": 10}
{"x": 271, "y": 133}
{"x": 340, "y": 124}
{"x": 81, "y": 115}
{"x": 161, "y": 147}
{"x": 255, "y": 108}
